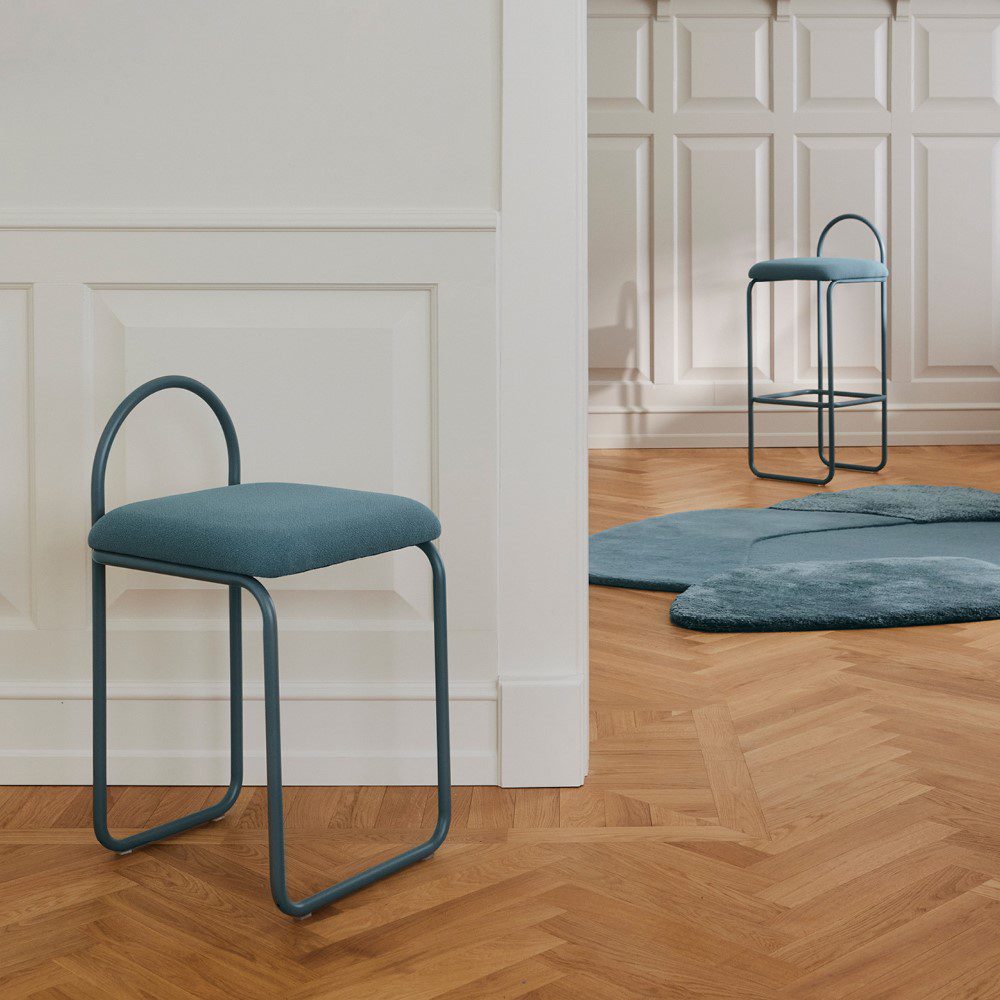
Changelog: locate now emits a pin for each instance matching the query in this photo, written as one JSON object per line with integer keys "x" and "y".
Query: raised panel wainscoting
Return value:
{"x": 307, "y": 220}
{"x": 725, "y": 131}
{"x": 370, "y": 383}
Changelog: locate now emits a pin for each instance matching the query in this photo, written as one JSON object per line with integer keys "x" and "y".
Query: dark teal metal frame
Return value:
{"x": 827, "y": 399}
{"x": 272, "y": 705}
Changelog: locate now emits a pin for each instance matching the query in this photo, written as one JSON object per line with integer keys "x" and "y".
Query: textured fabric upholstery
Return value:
{"x": 817, "y": 269}
{"x": 265, "y": 529}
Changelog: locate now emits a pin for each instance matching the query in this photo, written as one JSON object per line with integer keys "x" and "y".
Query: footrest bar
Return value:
{"x": 855, "y": 399}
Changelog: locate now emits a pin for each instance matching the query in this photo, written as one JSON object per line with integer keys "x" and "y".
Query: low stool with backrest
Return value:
{"x": 231, "y": 535}
{"x": 834, "y": 271}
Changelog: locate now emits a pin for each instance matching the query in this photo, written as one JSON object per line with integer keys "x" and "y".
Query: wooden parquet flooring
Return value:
{"x": 794, "y": 815}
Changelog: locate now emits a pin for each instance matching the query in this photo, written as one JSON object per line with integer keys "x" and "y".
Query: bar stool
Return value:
{"x": 231, "y": 535}
{"x": 835, "y": 271}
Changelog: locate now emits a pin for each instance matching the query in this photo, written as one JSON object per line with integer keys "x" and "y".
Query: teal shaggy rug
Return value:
{"x": 862, "y": 593}
{"x": 873, "y": 557}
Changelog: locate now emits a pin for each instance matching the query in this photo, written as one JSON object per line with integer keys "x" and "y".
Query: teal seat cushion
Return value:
{"x": 265, "y": 529}
{"x": 818, "y": 269}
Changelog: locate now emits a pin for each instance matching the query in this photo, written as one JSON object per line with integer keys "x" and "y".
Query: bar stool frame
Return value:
{"x": 828, "y": 398}
{"x": 272, "y": 705}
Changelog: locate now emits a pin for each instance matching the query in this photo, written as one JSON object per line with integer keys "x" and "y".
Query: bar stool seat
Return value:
{"x": 265, "y": 529}
{"x": 819, "y": 269}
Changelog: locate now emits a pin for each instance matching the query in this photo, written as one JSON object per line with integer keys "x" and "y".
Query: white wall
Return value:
{"x": 297, "y": 204}
{"x": 174, "y": 104}
{"x": 724, "y": 131}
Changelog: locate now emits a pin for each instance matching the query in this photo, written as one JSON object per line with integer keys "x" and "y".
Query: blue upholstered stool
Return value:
{"x": 835, "y": 271}
{"x": 231, "y": 536}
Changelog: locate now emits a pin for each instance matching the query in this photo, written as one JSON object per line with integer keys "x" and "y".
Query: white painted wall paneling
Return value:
{"x": 727, "y": 131}
{"x": 373, "y": 383}
{"x": 307, "y": 221}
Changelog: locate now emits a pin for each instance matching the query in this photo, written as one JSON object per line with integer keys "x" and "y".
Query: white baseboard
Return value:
{"x": 596, "y": 442}
{"x": 39, "y": 767}
{"x": 188, "y": 691}
{"x": 177, "y": 734}
{"x": 535, "y": 714}
{"x": 725, "y": 427}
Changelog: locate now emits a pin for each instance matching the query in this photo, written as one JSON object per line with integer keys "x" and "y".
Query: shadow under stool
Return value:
{"x": 835, "y": 271}
{"x": 231, "y": 535}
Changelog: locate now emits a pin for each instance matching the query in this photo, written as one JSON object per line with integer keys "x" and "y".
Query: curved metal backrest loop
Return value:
{"x": 857, "y": 218}
{"x": 129, "y": 403}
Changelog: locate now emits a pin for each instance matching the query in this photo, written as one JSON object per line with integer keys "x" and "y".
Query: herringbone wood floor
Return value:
{"x": 796, "y": 815}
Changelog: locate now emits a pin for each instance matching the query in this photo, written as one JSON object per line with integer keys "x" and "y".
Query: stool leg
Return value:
{"x": 750, "y": 409}
{"x": 819, "y": 373}
{"x": 272, "y": 717}
{"x": 441, "y": 693}
{"x": 750, "y": 393}
{"x": 235, "y": 691}
{"x": 831, "y": 410}
{"x": 885, "y": 385}
{"x": 885, "y": 397}
{"x": 123, "y": 845}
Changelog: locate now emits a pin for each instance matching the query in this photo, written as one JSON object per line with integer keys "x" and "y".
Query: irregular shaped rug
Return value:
{"x": 923, "y": 504}
{"x": 673, "y": 552}
{"x": 863, "y": 593}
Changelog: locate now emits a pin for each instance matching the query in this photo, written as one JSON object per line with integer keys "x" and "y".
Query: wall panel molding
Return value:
{"x": 723, "y": 64}
{"x": 841, "y": 64}
{"x": 620, "y": 220}
{"x": 956, "y": 243}
{"x": 786, "y": 10}
{"x": 304, "y": 219}
{"x": 619, "y": 64}
{"x": 16, "y": 429}
{"x": 827, "y": 167}
{"x": 956, "y": 64}
{"x": 723, "y": 209}
{"x": 390, "y": 370}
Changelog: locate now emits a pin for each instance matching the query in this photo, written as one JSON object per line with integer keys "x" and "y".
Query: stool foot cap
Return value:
{"x": 122, "y": 854}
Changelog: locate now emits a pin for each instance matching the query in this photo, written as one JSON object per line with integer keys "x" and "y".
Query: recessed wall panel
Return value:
{"x": 326, "y": 386}
{"x": 835, "y": 174}
{"x": 619, "y": 255}
{"x": 618, "y": 64}
{"x": 841, "y": 64}
{"x": 956, "y": 64}
{"x": 15, "y": 439}
{"x": 723, "y": 226}
{"x": 956, "y": 288}
{"x": 723, "y": 64}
